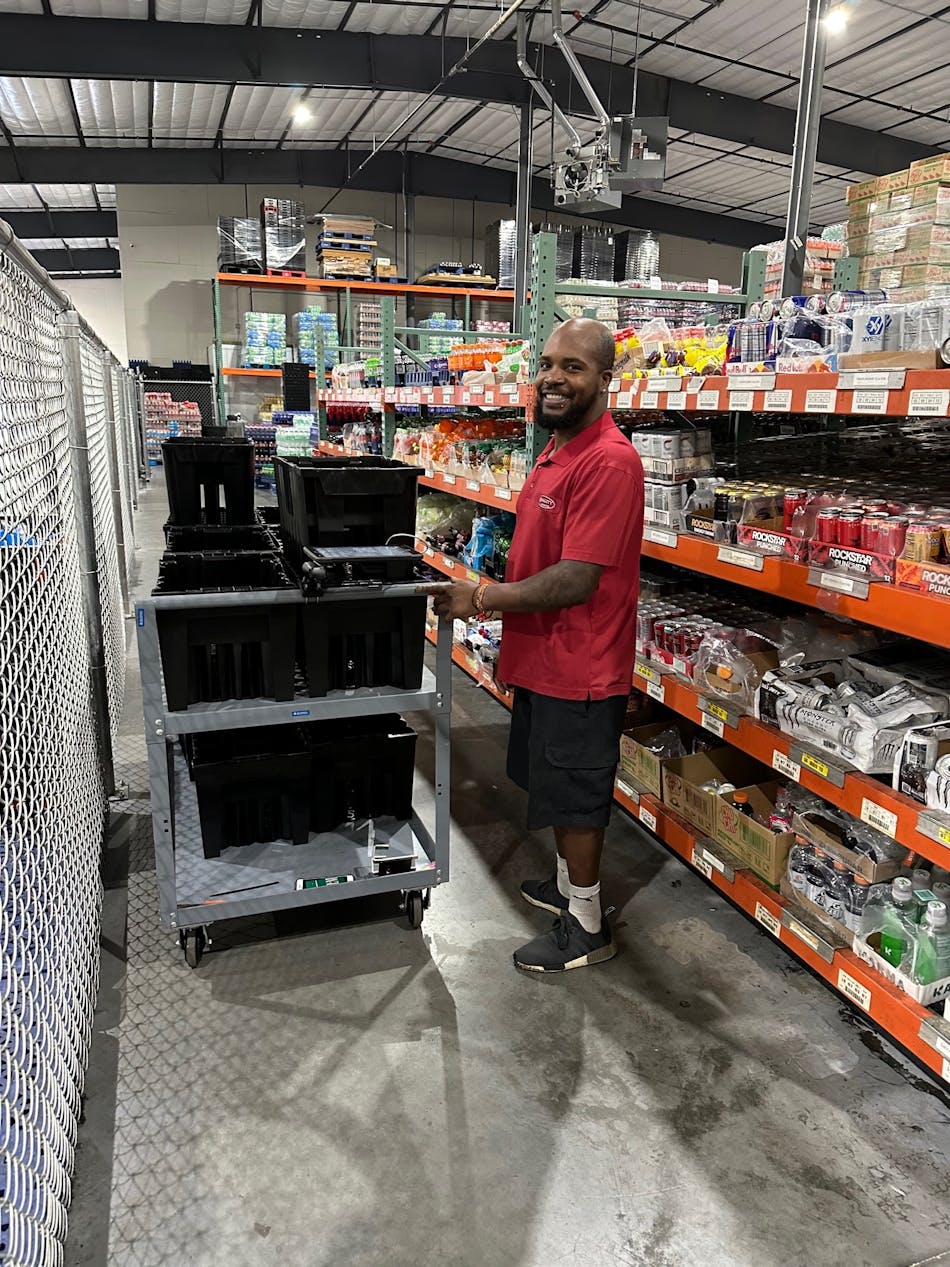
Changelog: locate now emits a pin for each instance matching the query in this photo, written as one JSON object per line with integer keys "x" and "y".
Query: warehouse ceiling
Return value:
{"x": 105, "y": 92}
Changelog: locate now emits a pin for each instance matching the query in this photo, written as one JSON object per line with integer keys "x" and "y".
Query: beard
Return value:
{"x": 566, "y": 418}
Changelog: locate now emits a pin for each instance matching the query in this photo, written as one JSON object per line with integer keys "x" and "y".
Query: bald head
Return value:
{"x": 588, "y": 338}
{"x": 574, "y": 371}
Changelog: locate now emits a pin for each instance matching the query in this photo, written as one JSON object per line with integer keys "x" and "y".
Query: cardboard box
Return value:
{"x": 781, "y": 544}
{"x": 858, "y": 193}
{"x": 841, "y": 931}
{"x": 818, "y": 829}
{"x": 761, "y": 849}
{"x": 683, "y": 777}
{"x": 926, "y": 171}
{"x": 898, "y": 360}
{"x": 925, "y": 994}
{"x": 645, "y": 766}
{"x": 877, "y": 567}
{"x": 894, "y": 182}
{"x": 925, "y": 578}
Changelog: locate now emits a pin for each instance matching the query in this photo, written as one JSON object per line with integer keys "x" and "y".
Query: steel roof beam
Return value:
{"x": 62, "y": 224}
{"x": 429, "y": 175}
{"x": 107, "y": 48}
{"x": 100, "y": 259}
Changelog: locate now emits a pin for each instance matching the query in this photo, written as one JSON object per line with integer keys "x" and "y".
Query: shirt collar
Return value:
{"x": 567, "y": 453}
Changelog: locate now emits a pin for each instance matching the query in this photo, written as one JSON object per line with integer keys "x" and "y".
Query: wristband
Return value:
{"x": 478, "y": 600}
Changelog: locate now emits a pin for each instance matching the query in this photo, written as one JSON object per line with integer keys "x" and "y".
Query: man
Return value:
{"x": 569, "y": 606}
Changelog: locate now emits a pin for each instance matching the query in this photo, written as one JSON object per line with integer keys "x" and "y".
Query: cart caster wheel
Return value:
{"x": 193, "y": 944}
{"x": 415, "y": 908}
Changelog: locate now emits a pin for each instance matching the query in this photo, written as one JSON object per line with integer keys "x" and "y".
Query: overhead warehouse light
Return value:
{"x": 836, "y": 20}
{"x": 302, "y": 113}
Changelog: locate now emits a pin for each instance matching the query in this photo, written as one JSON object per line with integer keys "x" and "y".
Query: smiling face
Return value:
{"x": 573, "y": 376}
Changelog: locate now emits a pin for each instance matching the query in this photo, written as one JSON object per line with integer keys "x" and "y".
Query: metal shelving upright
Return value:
{"x": 195, "y": 891}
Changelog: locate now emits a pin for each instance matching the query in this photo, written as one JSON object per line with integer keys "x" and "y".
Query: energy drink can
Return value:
{"x": 870, "y": 532}
{"x": 892, "y": 533}
{"x": 922, "y": 542}
{"x": 791, "y": 305}
{"x": 848, "y": 300}
{"x": 826, "y": 526}
{"x": 816, "y": 303}
{"x": 849, "y": 529}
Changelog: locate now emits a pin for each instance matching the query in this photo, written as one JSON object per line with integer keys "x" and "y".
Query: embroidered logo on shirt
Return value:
{"x": 547, "y": 503}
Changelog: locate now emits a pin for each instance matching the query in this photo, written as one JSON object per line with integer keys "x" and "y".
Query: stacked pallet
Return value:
{"x": 345, "y": 246}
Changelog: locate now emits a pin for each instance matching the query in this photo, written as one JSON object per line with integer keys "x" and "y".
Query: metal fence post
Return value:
{"x": 113, "y": 458}
{"x": 85, "y": 538}
{"x": 142, "y": 427}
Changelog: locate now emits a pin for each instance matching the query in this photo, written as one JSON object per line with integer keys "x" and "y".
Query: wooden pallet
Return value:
{"x": 286, "y": 272}
{"x": 457, "y": 279}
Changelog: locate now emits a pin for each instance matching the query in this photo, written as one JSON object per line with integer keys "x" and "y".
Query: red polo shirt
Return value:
{"x": 583, "y": 501}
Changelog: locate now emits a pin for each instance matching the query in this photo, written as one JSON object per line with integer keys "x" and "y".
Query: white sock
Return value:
{"x": 563, "y": 879}
{"x": 584, "y": 905}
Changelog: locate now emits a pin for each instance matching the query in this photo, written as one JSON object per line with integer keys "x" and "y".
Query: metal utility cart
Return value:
{"x": 355, "y": 860}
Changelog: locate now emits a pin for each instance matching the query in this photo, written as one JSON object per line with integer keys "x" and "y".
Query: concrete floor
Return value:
{"x": 332, "y": 1088}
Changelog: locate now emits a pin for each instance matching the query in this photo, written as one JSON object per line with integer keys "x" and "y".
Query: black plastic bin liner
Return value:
{"x": 374, "y": 641}
{"x": 210, "y": 654}
{"x": 231, "y": 538}
{"x": 210, "y": 481}
{"x": 253, "y": 786}
{"x": 360, "y": 501}
{"x": 361, "y": 769}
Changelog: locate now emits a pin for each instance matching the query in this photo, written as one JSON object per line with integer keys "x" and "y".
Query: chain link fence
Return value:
{"x": 62, "y": 681}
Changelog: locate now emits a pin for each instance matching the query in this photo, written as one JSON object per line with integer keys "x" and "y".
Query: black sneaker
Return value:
{"x": 567, "y": 945}
{"x": 545, "y": 895}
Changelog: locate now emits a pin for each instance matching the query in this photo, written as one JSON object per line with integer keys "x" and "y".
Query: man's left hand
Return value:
{"x": 455, "y": 600}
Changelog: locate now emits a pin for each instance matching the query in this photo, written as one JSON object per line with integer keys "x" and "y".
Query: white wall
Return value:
{"x": 168, "y": 246}
{"x": 101, "y": 302}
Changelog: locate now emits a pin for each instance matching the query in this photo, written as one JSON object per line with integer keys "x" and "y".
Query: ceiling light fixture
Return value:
{"x": 836, "y": 21}
{"x": 302, "y": 113}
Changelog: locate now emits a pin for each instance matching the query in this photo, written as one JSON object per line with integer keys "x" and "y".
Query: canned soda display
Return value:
{"x": 826, "y": 526}
{"x": 870, "y": 532}
{"x": 848, "y": 300}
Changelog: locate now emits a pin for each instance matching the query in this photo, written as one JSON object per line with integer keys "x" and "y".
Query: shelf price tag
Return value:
{"x": 749, "y": 559}
{"x": 448, "y": 395}
{"x": 785, "y": 765}
{"x": 712, "y": 724}
{"x": 821, "y": 402}
{"x": 869, "y": 402}
{"x": 477, "y": 389}
{"x": 489, "y": 398}
{"x": 449, "y": 563}
{"x": 625, "y": 400}
{"x": 614, "y": 386}
{"x": 702, "y": 863}
{"x": 647, "y": 819}
{"x": 768, "y": 920}
{"x": 741, "y": 402}
{"x": 843, "y": 583}
{"x": 657, "y": 691}
{"x": 466, "y": 398}
{"x": 430, "y": 473}
{"x": 815, "y": 765}
{"x": 884, "y": 820}
{"x": 473, "y": 486}
{"x": 679, "y": 666}
{"x": 780, "y": 402}
{"x": 715, "y": 711}
{"x": 803, "y": 934}
{"x": 924, "y": 403}
{"x": 944, "y": 834}
{"x": 676, "y": 400}
{"x": 509, "y": 389}
{"x": 448, "y": 479}
{"x": 650, "y": 400}
{"x": 644, "y": 671}
{"x": 503, "y": 494}
{"x": 661, "y": 537}
{"x": 855, "y": 991}
{"x": 707, "y": 400}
